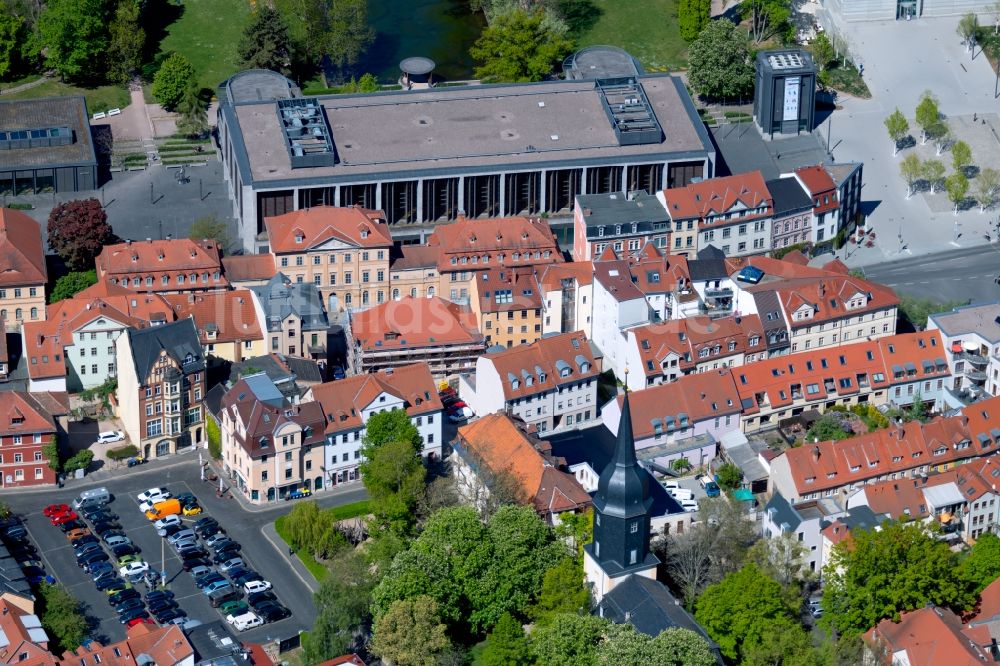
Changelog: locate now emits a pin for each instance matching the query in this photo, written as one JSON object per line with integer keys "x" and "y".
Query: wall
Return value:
{"x": 17, "y": 304}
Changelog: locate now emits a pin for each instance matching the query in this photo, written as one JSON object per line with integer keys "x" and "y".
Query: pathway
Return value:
{"x": 25, "y": 86}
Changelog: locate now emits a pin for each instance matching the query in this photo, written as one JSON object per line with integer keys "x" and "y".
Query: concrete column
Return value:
{"x": 420, "y": 201}
{"x": 541, "y": 191}
{"x": 583, "y": 180}
{"x": 460, "y": 197}
{"x": 663, "y": 176}
{"x": 503, "y": 193}
{"x": 336, "y": 195}
{"x": 378, "y": 198}
{"x": 624, "y": 185}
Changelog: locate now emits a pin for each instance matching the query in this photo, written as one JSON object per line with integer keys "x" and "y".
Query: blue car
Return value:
{"x": 100, "y": 569}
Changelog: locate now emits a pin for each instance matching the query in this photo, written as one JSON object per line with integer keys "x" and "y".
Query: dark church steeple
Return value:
{"x": 621, "y": 508}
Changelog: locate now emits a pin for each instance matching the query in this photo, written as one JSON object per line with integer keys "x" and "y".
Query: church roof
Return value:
{"x": 647, "y": 605}
{"x": 623, "y": 488}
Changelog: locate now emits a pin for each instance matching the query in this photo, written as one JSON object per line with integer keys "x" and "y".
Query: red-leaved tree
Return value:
{"x": 77, "y": 232}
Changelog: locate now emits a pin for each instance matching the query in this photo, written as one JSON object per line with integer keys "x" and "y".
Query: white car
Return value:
{"x": 460, "y": 415}
{"x": 252, "y": 586}
{"x": 134, "y": 569}
{"x": 245, "y": 621}
{"x": 689, "y": 505}
{"x": 163, "y": 523}
{"x": 154, "y": 495}
{"x": 110, "y": 436}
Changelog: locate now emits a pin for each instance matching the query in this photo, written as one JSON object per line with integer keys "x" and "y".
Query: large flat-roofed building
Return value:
{"x": 46, "y": 146}
{"x": 487, "y": 151}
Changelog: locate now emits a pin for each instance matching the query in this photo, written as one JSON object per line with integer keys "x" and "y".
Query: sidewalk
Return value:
{"x": 300, "y": 569}
{"x": 322, "y": 497}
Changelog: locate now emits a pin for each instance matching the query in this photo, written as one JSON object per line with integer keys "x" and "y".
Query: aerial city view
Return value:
{"x": 499, "y": 332}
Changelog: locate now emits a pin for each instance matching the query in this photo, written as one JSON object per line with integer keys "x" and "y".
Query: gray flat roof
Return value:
{"x": 788, "y": 196}
{"x": 742, "y": 149}
{"x": 983, "y": 320}
{"x": 41, "y": 113}
{"x": 616, "y": 208}
{"x": 463, "y": 129}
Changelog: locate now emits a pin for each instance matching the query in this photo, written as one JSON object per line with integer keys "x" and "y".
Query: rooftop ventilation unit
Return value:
{"x": 629, "y": 111}
{"x": 307, "y": 136}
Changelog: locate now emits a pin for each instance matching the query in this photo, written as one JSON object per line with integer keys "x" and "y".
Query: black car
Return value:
{"x": 71, "y": 525}
{"x": 159, "y": 594}
{"x": 124, "y": 549}
{"x": 170, "y": 530}
{"x": 15, "y": 533}
{"x": 99, "y": 513}
{"x": 192, "y": 553}
{"x": 225, "y": 555}
{"x": 84, "y": 540}
{"x": 186, "y": 498}
{"x": 93, "y": 558}
{"x": 210, "y": 531}
{"x": 205, "y": 520}
{"x": 133, "y": 614}
{"x": 233, "y": 574}
{"x": 129, "y": 604}
{"x": 207, "y": 579}
{"x": 118, "y": 598}
{"x": 163, "y": 617}
{"x": 245, "y": 577}
{"x": 195, "y": 562}
{"x": 258, "y": 598}
{"x": 105, "y": 526}
{"x": 226, "y": 544}
{"x": 272, "y": 611}
{"x": 87, "y": 550}
{"x": 160, "y": 605}
{"x": 107, "y": 582}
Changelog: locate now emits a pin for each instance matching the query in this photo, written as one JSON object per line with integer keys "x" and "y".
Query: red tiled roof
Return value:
{"x": 415, "y": 322}
{"x": 248, "y": 267}
{"x": 654, "y": 273}
{"x": 230, "y": 313}
{"x": 413, "y": 257}
{"x": 700, "y": 396}
{"x": 348, "y": 659}
{"x": 22, "y": 259}
{"x": 929, "y": 636}
{"x": 262, "y": 420}
{"x": 306, "y": 229}
{"x": 554, "y": 274}
{"x": 165, "y": 645}
{"x": 689, "y": 337}
{"x": 716, "y": 196}
{"x": 496, "y": 441}
{"x": 828, "y": 298}
{"x": 494, "y": 242}
{"x": 616, "y": 278}
{"x": 815, "y": 179}
{"x": 547, "y": 357}
{"x": 344, "y": 400}
{"x": 21, "y": 414}
{"x": 521, "y": 282}
{"x": 159, "y": 258}
{"x": 988, "y": 606}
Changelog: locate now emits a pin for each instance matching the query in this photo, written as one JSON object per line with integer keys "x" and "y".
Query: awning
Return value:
{"x": 956, "y": 347}
{"x": 945, "y": 517}
{"x": 743, "y": 495}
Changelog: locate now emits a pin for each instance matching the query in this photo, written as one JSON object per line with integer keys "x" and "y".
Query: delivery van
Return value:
{"x": 170, "y": 507}
{"x": 92, "y": 498}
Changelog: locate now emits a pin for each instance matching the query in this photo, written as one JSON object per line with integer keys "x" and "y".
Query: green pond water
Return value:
{"x": 442, "y": 30}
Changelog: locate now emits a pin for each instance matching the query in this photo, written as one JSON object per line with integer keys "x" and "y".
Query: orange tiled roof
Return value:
{"x": 818, "y": 183}
{"x": 654, "y": 273}
{"x": 521, "y": 282}
{"x": 248, "y": 267}
{"x": 696, "y": 397}
{"x": 159, "y": 258}
{"x": 165, "y": 645}
{"x": 717, "y": 196}
{"x": 230, "y": 314}
{"x": 496, "y": 441}
{"x": 829, "y": 298}
{"x": 344, "y": 400}
{"x": 988, "y": 606}
{"x": 554, "y": 274}
{"x": 930, "y": 635}
{"x": 22, "y": 259}
{"x": 21, "y": 414}
{"x": 689, "y": 338}
{"x": 415, "y": 322}
{"x": 508, "y": 241}
{"x": 306, "y": 229}
{"x": 539, "y": 367}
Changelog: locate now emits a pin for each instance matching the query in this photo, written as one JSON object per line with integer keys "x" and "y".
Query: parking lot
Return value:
{"x": 259, "y": 554}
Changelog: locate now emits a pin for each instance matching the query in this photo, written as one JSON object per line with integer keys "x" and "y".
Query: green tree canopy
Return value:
{"x": 410, "y": 633}
{"x": 266, "y": 42}
{"x": 519, "y": 46}
{"x": 720, "y": 62}
{"x": 563, "y": 591}
{"x": 961, "y": 156}
{"x": 884, "y": 572}
{"x": 730, "y": 476}
{"x": 506, "y": 645}
{"x": 981, "y": 566}
{"x": 928, "y": 115}
{"x": 342, "y": 605}
{"x": 933, "y": 171}
{"x": 569, "y": 639}
{"x": 78, "y": 230}
{"x": 624, "y": 646}
{"x": 987, "y": 184}
{"x": 897, "y": 127}
{"x": 827, "y": 427}
{"x": 12, "y": 36}
{"x": 394, "y": 477}
{"x": 127, "y": 40}
{"x": 212, "y": 228}
{"x": 781, "y": 558}
{"x": 72, "y": 283}
{"x": 193, "y": 108}
{"x": 172, "y": 80}
{"x": 741, "y": 609}
{"x": 789, "y": 646}
{"x": 75, "y": 36}
{"x": 692, "y": 17}
{"x": 957, "y": 186}
{"x": 391, "y": 426}
{"x": 62, "y": 617}
{"x": 822, "y": 50}
{"x": 338, "y": 29}
{"x": 910, "y": 168}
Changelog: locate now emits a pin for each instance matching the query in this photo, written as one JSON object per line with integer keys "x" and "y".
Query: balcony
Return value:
{"x": 974, "y": 375}
{"x": 974, "y": 359}
{"x": 718, "y": 292}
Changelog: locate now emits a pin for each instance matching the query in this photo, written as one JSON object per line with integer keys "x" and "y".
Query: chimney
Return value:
{"x": 815, "y": 453}
{"x": 822, "y": 288}
{"x": 149, "y": 240}
{"x": 170, "y": 236}
{"x": 128, "y": 242}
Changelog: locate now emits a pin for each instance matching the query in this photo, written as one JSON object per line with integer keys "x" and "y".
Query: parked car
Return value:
{"x": 61, "y": 518}
{"x": 101, "y": 568}
{"x": 129, "y": 604}
{"x": 224, "y": 544}
{"x": 171, "y": 616}
{"x": 171, "y": 530}
{"x": 78, "y": 533}
{"x": 222, "y": 596}
{"x": 256, "y": 586}
{"x": 55, "y": 510}
{"x": 115, "y": 538}
{"x": 338, "y": 372}
{"x": 186, "y": 498}
{"x": 86, "y": 550}
{"x": 689, "y": 505}
{"x": 138, "y": 620}
{"x": 154, "y": 495}
{"x": 181, "y": 536}
{"x": 709, "y": 484}
{"x": 106, "y": 527}
{"x": 272, "y": 611}
{"x": 125, "y": 549}
{"x": 139, "y": 614}
{"x": 460, "y": 415}
{"x": 243, "y": 576}
{"x": 201, "y": 570}
{"x": 134, "y": 568}
{"x": 92, "y": 558}
{"x": 160, "y": 605}
{"x": 260, "y": 597}
{"x": 167, "y": 520}
{"x": 225, "y": 555}
{"x": 159, "y": 594}
{"x": 191, "y": 510}
{"x": 681, "y": 494}
{"x": 231, "y": 564}
{"x": 192, "y": 553}
{"x": 202, "y": 523}
{"x": 196, "y": 563}
{"x": 234, "y": 607}
{"x": 99, "y": 514}
{"x": 220, "y": 537}
{"x": 244, "y": 621}
{"x": 216, "y": 586}
{"x": 110, "y": 436}
{"x": 109, "y": 582}
{"x": 205, "y": 579}
{"x": 15, "y": 533}
{"x": 85, "y": 541}
{"x": 118, "y": 587}
{"x": 35, "y": 575}
{"x": 120, "y": 597}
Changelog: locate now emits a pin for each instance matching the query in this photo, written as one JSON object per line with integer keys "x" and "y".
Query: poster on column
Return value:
{"x": 791, "y": 99}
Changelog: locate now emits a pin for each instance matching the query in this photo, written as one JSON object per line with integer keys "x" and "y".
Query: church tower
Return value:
{"x": 621, "y": 518}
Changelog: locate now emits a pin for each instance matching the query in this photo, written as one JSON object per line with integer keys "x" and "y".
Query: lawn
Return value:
{"x": 333, "y": 514}
{"x": 100, "y": 98}
{"x": 206, "y": 34}
{"x": 648, "y": 30}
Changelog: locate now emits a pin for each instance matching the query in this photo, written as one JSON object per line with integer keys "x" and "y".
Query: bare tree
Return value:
{"x": 689, "y": 561}
{"x": 782, "y": 558}
{"x": 486, "y": 488}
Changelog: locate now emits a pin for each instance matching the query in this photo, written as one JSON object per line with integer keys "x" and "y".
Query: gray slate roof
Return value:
{"x": 44, "y": 113}
{"x": 281, "y": 297}
{"x": 179, "y": 339}
{"x": 616, "y": 208}
{"x": 783, "y": 512}
{"x": 789, "y": 197}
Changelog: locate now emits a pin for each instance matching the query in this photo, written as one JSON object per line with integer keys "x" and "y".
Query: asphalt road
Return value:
{"x": 243, "y": 526}
{"x": 955, "y": 275}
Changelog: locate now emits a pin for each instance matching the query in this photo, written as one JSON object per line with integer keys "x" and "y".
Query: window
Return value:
{"x": 634, "y": 527}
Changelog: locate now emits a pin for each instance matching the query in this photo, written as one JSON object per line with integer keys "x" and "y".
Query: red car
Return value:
{"x": 55, "y": 510}
{"x": 61, "y": 518}
{"x": 456, "y": 406}
{"x": 139, "y": 620}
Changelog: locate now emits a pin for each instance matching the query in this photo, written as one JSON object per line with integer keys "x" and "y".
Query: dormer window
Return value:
{"x": 299, "y": 238}
{"x": 364, "y": 233}
{"x": 515, "y": 384}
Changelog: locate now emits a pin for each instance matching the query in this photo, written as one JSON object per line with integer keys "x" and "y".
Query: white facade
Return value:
{"x": 582, "y": 308}
{"x": 971, "y": 337}
{"x": 803, "y": 523}
{"x": 611, "y": 317}
{"x": 128, "y": 393}
{"x": 91, "y": 357}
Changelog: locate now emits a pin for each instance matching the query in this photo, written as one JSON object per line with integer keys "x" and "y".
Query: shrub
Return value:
{"x": 123, "y": 453}
{"x": 214, "y": 438}
{"x": 81, "y": 460}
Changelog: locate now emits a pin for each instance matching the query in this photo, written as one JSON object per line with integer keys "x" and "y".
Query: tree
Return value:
{"x": 692, "y": 17}
{"x": 210, "y": 227}
{"x": 410, "y": 633}
{"x": 80, "y": 460}
{"x": 967, "y": 27}
{"x": 563, "y": 591}
{"x": 62, "y": 618}
{"x": 927, "y": 115}
{"x": 933, "y": 171}
{"x": 827, "y": 427}
{"x": 394, "y": 477}
{"x": 569, "y": 639}
{"x": 342, "y": 604}
{"x": 987, "y": 183}
{"x": 767, "y": 17}
{"x": 942, "y": 137}
{"x": 52, "y": 454}
{"x": 957, "y": 186}
{"x": 741, "y": 609}
{"x": 506, "y": 645}
{"x": 910, "y": 169}
{"x": 519, "y": 46}
{"x": 729, "y": 476}
{"x": 720, "y": 63}
{"x": 791, "y": 646}
{"x": 822, "y": 50}
{"x": 337, "y": 29}
{"x": 917, "y": 310}
{"x": 72, "y": 283}
{"x": 266, "y": 42}
{"x": 994, "y": 10}
{"x": 74, "y": 34}
{"x": 624, "y": 646}
{"x": 128, "y": 38}
{"x": 78, "y": 230}
{"x": 11, "y": 39}
{"x": 193, "y": 109}
{"x": 961, "y": 156}
{"x": 781, "y": 558}
{"x": 214, "y": 438}
{"x": 981, "y": 565}
{"x": 391, "y": 426}
{"x": 174, "y": 77}
{"x": 897, "y": 127}
{"x": 884, "y": 572}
